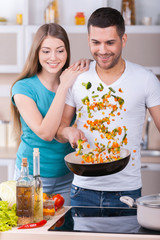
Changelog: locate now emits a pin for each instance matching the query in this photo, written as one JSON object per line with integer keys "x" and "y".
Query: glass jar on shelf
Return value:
{"x": 128, "y": 12}
{"x": 51, "y": 14}
{"x": 79, "y": 18}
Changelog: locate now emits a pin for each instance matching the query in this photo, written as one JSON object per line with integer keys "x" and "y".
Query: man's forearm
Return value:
{"x": 61, "y": 135}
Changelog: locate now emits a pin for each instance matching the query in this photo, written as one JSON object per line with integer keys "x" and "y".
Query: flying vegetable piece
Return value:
{"x": 112, "y": 90}
{"x": 80, "y": 146}
{"x": 100, "y": 88}
{"x": 85, "y": 100}
{"x": 87, "y": 85}
{"x": 119, "y": 99}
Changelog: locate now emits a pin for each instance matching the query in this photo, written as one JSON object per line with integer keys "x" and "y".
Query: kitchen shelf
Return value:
{"x": 129, "y": 29}
{"x": 140, "y": 29}
{"x": 33, "y": 17}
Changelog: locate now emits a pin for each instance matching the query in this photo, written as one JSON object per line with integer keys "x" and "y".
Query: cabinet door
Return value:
{"x": 7, "y": 167}
{"x": 11, "y": 49}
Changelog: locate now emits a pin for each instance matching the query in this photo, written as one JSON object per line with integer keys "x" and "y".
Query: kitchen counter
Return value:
{"x": 43, "y": 233}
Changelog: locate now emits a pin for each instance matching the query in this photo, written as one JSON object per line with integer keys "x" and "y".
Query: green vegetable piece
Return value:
{"x": 80, "y": 146}
{"x": 112, "y": 90}
{"x": 95, "y": 96}
{"x": 125, "y": 135}
{"x": 119, "y": 99}
{"x": 90, "y": 115}
{"x": 100, "y": 88}
{"x": 8, "y": 218}
{"x": 85, "y": 100}
{"x": 87, "y": 85}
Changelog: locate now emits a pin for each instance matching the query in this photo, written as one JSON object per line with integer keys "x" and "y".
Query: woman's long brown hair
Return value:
{"x": 32, "y": 65}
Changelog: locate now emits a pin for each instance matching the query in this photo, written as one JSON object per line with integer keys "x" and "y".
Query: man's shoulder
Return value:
{"x": 25, "y": 85}
{"x": 137, "y": 71}
{"x": 136, "y": 66}
{"x": 89, "y": 72}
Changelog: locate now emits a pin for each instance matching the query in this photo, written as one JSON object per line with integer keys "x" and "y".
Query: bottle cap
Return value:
{"x": 36, "y": 150}
{"x": 79, "y": 14}
{"x": 24, "y": 162}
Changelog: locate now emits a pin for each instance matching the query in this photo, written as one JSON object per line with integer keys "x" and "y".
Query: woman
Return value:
{"x": 38, "y": 99}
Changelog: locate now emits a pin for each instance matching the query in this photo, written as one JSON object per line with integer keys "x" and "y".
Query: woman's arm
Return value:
{"x": 46, "y": 127}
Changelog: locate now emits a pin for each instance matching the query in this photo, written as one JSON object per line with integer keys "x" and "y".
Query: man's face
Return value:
{"x": 106, "y": 46}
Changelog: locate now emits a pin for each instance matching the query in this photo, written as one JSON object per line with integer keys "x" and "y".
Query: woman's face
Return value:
{"x": 52, "y": 55}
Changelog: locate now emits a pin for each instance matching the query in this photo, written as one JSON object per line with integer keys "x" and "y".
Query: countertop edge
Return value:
{"x": 39, "y": 233}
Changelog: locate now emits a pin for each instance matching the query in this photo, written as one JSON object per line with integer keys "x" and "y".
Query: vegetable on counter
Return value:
{"x": 33, "y": 225}
{"x": 8, "y": 192}
{"x": 57, "y": 198}
{"x": 8, "y": 218}
{"x": 58, "y": 201}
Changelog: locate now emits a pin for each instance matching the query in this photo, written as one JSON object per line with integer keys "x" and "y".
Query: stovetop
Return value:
{"x": 101, "y": 220}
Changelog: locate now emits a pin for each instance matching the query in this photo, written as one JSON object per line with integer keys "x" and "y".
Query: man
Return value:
{"x": 128, "y": 89}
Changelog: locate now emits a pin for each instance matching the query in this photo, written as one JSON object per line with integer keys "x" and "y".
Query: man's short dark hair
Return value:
{"x": 107, "y": 17}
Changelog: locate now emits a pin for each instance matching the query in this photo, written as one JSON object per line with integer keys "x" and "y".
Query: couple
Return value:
{"x": 48, "y": 93}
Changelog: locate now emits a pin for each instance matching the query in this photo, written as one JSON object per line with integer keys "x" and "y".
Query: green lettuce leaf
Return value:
{"x": 8, "y": 218}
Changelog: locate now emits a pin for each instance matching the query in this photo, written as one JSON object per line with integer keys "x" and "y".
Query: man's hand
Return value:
{"x": 73, "y": 135}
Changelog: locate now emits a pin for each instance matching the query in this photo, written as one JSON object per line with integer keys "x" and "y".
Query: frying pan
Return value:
{"x": 74, "y": 164}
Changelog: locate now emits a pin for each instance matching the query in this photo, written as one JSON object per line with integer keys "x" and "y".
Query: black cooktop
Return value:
{"x": 101, "y": 220}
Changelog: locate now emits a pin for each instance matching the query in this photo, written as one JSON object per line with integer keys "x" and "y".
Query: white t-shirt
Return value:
{"x": 140, "y": 90}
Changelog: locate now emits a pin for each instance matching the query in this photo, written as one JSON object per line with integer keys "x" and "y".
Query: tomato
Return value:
{"x": 58, "y": 200}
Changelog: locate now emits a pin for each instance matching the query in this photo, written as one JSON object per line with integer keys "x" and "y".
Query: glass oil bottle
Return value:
{"x": 24, "y": 195}
{"x": 38, "y": 190}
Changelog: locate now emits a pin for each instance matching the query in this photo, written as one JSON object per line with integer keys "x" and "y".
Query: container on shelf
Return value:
{"x": 19, "y": 19}
{"x": 51, "y": 14}
{"x": 128, "y": 12}
{"x": 80, "y": 18}
{"x": 147, "y": 21}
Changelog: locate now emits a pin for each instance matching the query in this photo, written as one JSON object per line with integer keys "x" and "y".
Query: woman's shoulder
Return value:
{"x": 27, "y": 83}
{"x": 25, "y": 86}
